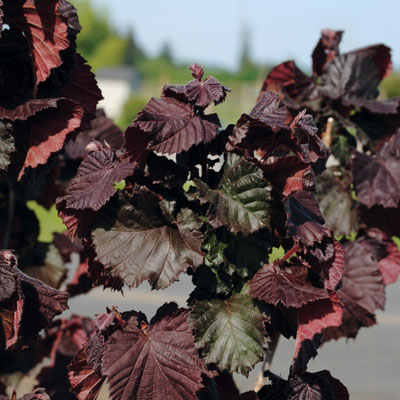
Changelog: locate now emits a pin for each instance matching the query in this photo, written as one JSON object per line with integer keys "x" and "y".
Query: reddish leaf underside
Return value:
{"x": 48, "y": 130}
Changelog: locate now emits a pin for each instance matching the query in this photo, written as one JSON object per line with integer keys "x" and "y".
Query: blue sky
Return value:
{"x": 210, "y": 31}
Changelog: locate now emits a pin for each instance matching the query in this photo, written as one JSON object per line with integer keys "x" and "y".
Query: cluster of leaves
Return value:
{"x": 358, "y": 193}
{"x": 172, "y": 194}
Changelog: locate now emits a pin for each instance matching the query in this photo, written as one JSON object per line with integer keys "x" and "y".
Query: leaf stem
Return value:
{"x": 289, "y": 254}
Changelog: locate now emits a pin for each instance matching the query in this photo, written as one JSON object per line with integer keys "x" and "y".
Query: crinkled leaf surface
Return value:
{"x": 45, "y": 30}
{"x": 362, "y": 281}
{"x": 377, "y": 180}
{"x": 288, "y": 286}
{"x": 309, "y": 386}
{"x": 7, "y": 146}
{"x": 156, "y": 362}
{"x": 288, "y": 79}
{"x": 174, "y": 126}
{"x": 135, "y": 242}
{"x": 199, "y": 92}
{"x": 93, "y": 184}
{"x": 357, "y": 73}
{"x": 229, "y": 332}
{"x": 85, "y": 381}
{"x": 240, "y": 201}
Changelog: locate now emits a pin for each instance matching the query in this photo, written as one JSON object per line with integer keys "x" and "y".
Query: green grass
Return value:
{"x": 49, "y": 221}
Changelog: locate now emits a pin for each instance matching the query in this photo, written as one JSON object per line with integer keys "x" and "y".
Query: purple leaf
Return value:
{"x": 288, "y": 286}
{"x": 174, "y": 126}
{"x": 377, "y": 180}
{"x": 93, "y": 184}
{"x": 162, "y": 353}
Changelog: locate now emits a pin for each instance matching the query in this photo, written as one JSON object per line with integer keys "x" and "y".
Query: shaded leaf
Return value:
{"x": 336, "y": 204}
{"x": 7, "y": 146}
{"x": 82, "y": 87}
{"x": 162, "y": 352}
{"x": 240, "y": 201}
{"x": 45, "y": 30}
{"x": 229, "y": 332}
{"x": 135, "y": 242}
{"x": 304, "y": 218}
{"x": 102, "y": 129}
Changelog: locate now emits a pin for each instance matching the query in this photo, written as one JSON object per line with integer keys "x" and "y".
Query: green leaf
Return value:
{"x": 137, "y": 240}
{"x": 6, "y": 146}
{"x": 240, "y": 201}
{"x": 230, "y": 333}
{"x": 336, "y": 204}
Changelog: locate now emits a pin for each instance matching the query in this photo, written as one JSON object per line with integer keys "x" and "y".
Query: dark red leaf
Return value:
{"x": 198, "y": 92}
{"x": 315, "y": 386}
{"x": 45, "y": 30}
{"x": 78, "y": 222}
{"x": 305, "y": 131}
{"x": 357, "y": 73}
{"x": 136, "y": 143}
{"x": 267, "y": 117}
{"x": 85, "y": 381}
{"x": 309, "y": 386}
{"x": 93, "y": 184}
{"x": 174, "y": 126}
{"x": 83, "y": 87}
{"x": 362, "y": 280}
{"x": 162, "y": 353}
{"x": 288, "y": 79}
{"x": 42, "y": 303}
{"x": 326, "y": 50}
{"x": 304, "y": 218}
{"x": 288, "y": 286}
{"x": 389, "y": 263}
{"x": 28, "y": 109}
{"x": 376, "y": 180}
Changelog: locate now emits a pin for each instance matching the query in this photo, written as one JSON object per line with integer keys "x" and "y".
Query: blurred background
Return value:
{"x": 135, "y": 48}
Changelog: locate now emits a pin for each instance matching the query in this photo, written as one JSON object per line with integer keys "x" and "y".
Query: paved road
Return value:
{"x": 368, "y": 366}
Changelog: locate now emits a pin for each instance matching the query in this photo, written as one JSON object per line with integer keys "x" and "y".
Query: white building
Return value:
{"x": 117, "y": 85}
